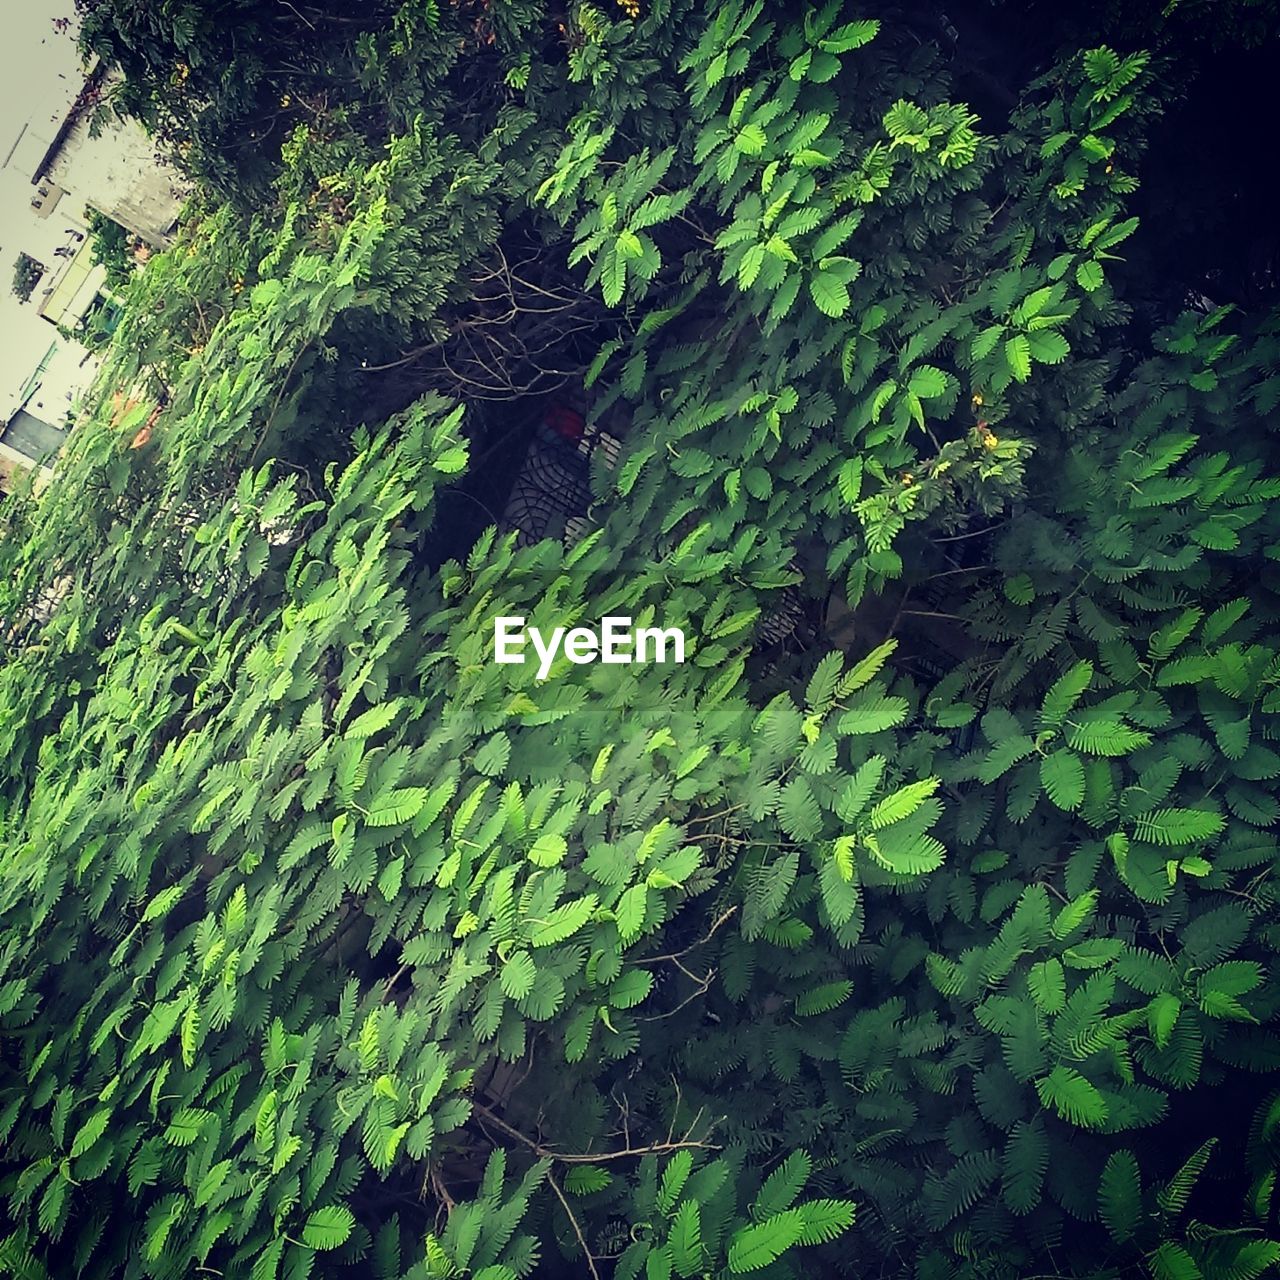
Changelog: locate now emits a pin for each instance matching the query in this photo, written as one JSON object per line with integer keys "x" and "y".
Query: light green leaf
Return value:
{"x": 1089, "y": 276}
{"x": 518, "y": 974}
{"x": 829, "y": 293}
{"x": 1062, "y": 776}
{"x": 328, "y": 1228}
{"x": 1017, "y": 352}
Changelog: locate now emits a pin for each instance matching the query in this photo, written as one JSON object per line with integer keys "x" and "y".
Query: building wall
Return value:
{"x": 46, "y": 198}
{"x": 62, "y": 382}
{"x": 72, "y": 291}
{"x": 14, "y": 466}
{"x": 118, "y": 173}
{"x": 33, "y": 437}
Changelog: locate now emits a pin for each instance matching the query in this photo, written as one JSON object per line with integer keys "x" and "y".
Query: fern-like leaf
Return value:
{"x": 1120, "y": 1195}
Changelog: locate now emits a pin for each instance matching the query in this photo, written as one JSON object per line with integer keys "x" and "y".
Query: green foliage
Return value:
{"x": 26, "y": 275}
{"x": 112, "y": 247}
{"x": 329, "y": 946}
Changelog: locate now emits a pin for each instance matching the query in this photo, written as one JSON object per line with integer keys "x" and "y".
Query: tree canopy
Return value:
{"x": 922, "y": 923}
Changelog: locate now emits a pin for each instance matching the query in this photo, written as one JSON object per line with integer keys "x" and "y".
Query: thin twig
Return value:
{"x": 706, "y": 937}
{"x": 442, "y": 1192}
{"x": 976, "y": 533}
{"x": 589, "y": 1157}
{"x": 573, "y": 1222}
{"x": 671, "y": 1013}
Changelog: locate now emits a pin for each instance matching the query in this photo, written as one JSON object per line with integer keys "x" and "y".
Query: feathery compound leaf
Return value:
{"x": 185, "y": 1127}
{"x": 548, "y": 850}
{"x": 1047, "y": 983}
{"x": 685, "y": 1239}
{"x": 1004, "y": 755}
{"x": 1073, "y": 1098}
{"x": 1168, "y": 638}
{"x": 756, "y": 1247}
{"x": 328, "y": 1228}
{"x": 835, "y": 235}
{"x": 853, "y": 35}
{"x": 865, "y": 669}
{"x": 821, "y": 691}
{"x": 1120, "y": 1195}
{"x": 564, "y": 921}
{"x": 586, "y": 1179}
{"x": 1106, "y": 737}
{"x": 613, "y": 276}
{"x": 905, "y": 852}
{"x": 1026, "y": 1158}
{"x": 1218, "y": 990}
{"x": 90, "y": 1132}
{"x": 631, "y": 911}
{"x": 1178, "y": 826}
{"x": 1074, "y": 914}
{"x": 674, "y": 1176}
{"x": 1252, "y": 1259}
{"x": 824, "y": 998}
{"x": 1101, "y": 64}
{"x": 373, "y": 721}
{"x": 860, "y": 788}
{"x": 1173, "y": 1196}
{"x": 948, "y": 1195}
{"x": 189, "y": 1034}
{"x": 1162, "y": 1017}
{"x": 830, "y": 294}
{"x": 823, "y": 1220}
{"x": 518, "y": 974}
{"x": 873, "y": 714}
{"x": 1172, "y": 1262}
{"x": 1062, "y": 776}
{"x": 799, "y": 812}
{"x": 1048, "y": 347}
{"x": 782, "y": 1186}
{"x": 902, "y": 803}
{"x": 395, "y": 806}
{"x": 1017, "y": 351}
{"x": 927, "y": 382}
{"x": 264, "y": 1126}
{"x": 840, "y": 892}
{"x": 1089, "y": 275}
{"x": 1064, "y": 693}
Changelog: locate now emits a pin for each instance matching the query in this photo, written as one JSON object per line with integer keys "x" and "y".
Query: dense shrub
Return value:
{"x": 921, "y": 923}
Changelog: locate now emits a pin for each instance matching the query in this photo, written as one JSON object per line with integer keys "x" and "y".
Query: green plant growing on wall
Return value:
{"x": 26, "y": 275}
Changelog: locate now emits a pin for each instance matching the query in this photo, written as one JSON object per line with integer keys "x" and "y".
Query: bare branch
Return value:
{"x": 591, "y": 1157}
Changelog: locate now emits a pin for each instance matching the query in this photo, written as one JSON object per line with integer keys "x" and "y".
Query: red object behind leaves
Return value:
{"x": 565, "y": 421}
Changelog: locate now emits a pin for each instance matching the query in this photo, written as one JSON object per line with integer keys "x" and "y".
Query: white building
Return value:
{"x": 36, "y": 422}
{"x": 115, "y": 169}
{"x": 54, "y": 167}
